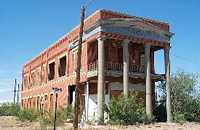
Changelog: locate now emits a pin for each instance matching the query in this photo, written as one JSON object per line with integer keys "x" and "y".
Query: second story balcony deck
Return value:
{"x": 114, "y": 69}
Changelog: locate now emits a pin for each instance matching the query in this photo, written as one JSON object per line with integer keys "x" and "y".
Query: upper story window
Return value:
{"x": 92, "y": 52}
{"x": 62, "y": 66}
{"x": 51, "y": 73}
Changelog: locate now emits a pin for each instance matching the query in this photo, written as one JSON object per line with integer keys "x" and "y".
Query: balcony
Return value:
{"x": 114, "y": 69}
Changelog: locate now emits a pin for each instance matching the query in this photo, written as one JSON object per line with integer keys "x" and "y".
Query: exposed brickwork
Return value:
{"x": 36, "y": 86}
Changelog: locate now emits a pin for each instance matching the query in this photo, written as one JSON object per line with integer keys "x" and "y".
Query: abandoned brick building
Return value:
{"x": 117, "y": 57}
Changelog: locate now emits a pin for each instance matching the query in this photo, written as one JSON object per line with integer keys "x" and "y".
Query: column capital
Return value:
{"x": 102, "y": 38}
{"x": 147, "y": 45}
{"x": 126, "y": 40}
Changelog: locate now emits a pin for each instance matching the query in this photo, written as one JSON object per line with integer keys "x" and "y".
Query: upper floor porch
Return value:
{"x": 114, "y": 54}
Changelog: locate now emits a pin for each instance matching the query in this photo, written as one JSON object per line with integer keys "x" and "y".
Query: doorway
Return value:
{"x": 71, "y": 93}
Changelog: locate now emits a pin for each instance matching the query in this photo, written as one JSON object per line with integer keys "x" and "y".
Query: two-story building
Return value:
{"x": 117, "y": 57}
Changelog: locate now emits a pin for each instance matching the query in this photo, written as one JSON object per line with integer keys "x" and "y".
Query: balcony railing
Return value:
{"x": 118, "y": 67}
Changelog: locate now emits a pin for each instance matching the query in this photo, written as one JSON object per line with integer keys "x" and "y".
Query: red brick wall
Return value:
{"x": 60, "y": 47}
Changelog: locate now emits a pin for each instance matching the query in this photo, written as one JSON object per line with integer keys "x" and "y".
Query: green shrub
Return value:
{"x": 179, "y": 118}
{"x": 126, "y": 110}
{"x": 46, "y": 119}
{"x": 68, "y": 113}
{"x": 185, "y": 96}
{"x": 28, "y": 114}
{"x": 9, "y": 109}
{"x": 62, "y": 116}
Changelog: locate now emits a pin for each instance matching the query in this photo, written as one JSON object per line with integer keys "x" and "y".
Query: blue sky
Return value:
{"x": 29, "y": 26}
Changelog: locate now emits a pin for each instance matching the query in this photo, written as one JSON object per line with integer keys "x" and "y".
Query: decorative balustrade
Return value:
{"x": 110, "y": 66}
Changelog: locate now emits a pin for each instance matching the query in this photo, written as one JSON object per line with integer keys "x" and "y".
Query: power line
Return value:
{"x": 185, "y": 59}
{"x": 15, "y": 85}
{"x": 87, "y": 3}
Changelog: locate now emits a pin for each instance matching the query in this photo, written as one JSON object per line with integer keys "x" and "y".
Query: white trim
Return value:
{"x": 62, "y": 55}
{"x": 51, "y": 61}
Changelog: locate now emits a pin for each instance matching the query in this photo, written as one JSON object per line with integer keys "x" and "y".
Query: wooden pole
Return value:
{"x": 15, "y": 85}
{"x": 56, "y": 91}
{"x": 55, "y": 112}
{"x": 78, "y": 69}
{"x": 18, "y": 94}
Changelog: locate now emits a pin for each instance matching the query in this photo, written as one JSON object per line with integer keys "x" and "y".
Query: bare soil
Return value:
{"x": 12, "y": 123}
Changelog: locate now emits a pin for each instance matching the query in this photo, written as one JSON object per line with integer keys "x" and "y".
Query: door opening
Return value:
{"x": 71, "y": 92}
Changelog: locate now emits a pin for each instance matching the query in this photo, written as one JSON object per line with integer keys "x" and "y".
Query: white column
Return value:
{"x": 86, "y": 100}
{"x": 100, "y": 91}
{"x": 109, "y": 92}
{"x": 125, "y": 66}
{"x": 148, "y": 81}
{"x": 167, "y": 73}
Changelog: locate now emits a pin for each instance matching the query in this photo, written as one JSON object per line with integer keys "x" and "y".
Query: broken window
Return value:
{"x": 51, "y": 73}
{"x": 62, "y": 66}
{"x": 92, "y": 53}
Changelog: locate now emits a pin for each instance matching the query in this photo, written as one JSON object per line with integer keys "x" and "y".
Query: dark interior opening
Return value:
{"x": 120, "y": 54}
{"x": 62, "y": 66}
{"x": 51, "y": 71}
{"x": 70, "y": 92}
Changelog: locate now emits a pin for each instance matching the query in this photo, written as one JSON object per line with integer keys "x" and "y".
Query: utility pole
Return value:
{"x": 54, "y": 126}
{"x": 77, "y": 91}
{"x": 18, "y": 94}
{"x": 56, "y": 91}
{"x": 15, "y": 85}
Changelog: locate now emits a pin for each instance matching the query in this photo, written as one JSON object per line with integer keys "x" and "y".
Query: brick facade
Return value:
{"x": 39, "y": 78}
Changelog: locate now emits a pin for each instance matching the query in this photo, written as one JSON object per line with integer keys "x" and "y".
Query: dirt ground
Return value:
{"x": 12, "y": 123}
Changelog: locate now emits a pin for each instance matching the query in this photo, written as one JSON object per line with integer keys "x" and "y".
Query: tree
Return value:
{"x": 185, "y": 97}
{"x": 126, "y": 110}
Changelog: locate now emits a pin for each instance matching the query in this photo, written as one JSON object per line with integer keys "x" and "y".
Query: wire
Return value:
{"x": 185, "y": 59}
{"x": 87, "y": 3}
